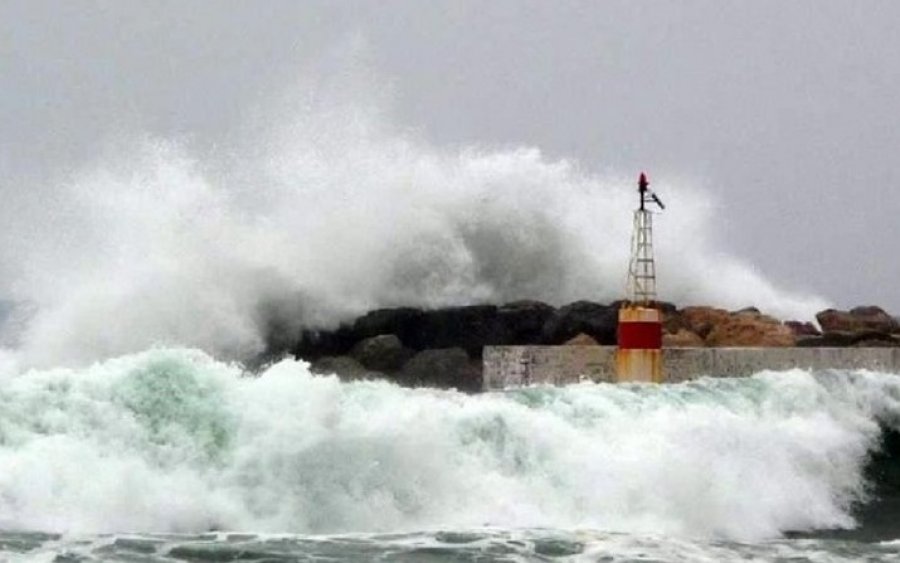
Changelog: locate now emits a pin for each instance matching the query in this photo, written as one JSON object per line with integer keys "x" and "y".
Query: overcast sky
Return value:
{"x": 788, "y": 112}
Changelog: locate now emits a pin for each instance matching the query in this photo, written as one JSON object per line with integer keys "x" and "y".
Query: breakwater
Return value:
{"x": 514, "y": 366}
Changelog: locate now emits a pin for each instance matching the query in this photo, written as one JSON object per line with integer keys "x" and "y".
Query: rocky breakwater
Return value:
{"x": 708, "y": 326}
{"x": 443, "y": 347}
{"x": 867, "y": 326}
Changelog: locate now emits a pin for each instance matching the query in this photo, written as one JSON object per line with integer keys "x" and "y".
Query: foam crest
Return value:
{"x": 174, "y": 441}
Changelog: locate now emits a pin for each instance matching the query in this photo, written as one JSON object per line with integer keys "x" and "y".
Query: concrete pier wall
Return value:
{"x": 512, "y": 366}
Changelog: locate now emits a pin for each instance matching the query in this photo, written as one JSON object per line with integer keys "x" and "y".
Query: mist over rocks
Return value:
{"x": 443, "y": 347}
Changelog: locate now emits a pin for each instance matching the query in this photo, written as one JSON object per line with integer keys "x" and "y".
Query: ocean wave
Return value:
{"x": 171, "y": 440}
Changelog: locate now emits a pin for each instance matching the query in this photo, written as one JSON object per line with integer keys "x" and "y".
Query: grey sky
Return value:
{"x": 789, "y": 112}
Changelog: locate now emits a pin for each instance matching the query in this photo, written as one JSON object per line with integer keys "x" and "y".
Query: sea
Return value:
{"x": 173, "y": 455}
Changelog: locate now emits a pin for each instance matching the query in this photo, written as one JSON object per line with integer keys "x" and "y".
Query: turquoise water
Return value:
{"x": 172, "y": 455}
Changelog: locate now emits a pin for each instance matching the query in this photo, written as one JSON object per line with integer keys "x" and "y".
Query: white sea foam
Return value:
{"x": 323, "y": 209}
{"x": 173, "y": 441}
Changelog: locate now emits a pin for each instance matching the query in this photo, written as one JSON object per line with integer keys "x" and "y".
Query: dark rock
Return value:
{"x": 444, "y": 368}
{"x": 809, "y": 342}
{"x": 827, "y": 340}
{"x": 843, "y": 339}
{"x": 600, "y": 322}
{"x": 524, "y": 320}
{"x": 384, "y": 353}
{"x": 314, "y": 344}
{"x": 802, "y": 329}
{"x": 872, "y": 338}
{"x": 872, "y": 312}
{"x": 878, "y": 343}
{"x": 470, "y": 328}
{"x": 857, "y": 319}
{"x": 404, "y": 322}
{"x": 665, "y": 307}
{"x": 344, "y": 367}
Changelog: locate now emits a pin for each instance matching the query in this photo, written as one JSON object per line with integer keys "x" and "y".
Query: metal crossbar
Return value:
{"x": 642, "y": 267}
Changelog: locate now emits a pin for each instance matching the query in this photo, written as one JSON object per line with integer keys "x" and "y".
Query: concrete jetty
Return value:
{"x": 513, "y": 366}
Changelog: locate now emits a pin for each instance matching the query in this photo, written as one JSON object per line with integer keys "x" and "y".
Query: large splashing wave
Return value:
{"x": 174, "y": 441}
{"x": 322, "y": 209}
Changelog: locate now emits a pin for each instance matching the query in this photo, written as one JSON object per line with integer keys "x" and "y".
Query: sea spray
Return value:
{"x": 171, "y": 440}
{"x": 320, "y": 209}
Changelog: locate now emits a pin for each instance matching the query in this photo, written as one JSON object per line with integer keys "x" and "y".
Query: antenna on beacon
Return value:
{"x": 639, "y": 357}
{"x": 647, "y": 195}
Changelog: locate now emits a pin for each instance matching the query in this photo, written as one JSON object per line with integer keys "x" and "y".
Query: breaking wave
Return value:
{"x": 321, "y": 209}
{"x": 171, "y": 440}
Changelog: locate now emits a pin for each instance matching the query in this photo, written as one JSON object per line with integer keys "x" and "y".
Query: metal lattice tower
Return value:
{"x": 641, "y": 267}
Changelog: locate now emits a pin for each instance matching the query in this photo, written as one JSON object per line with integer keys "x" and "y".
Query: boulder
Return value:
{"x": 672, "y": 322}
{"x": 754, "y": 313}
{"x": 581, "y": 340}
{"x": 597, "y": 321}
{"x": 832, "y": 320}
{"x": 403, "y": 322}
{"x": 800, "y": 328}
{"x": 843, "y": 339}
{"x": 471, "y": 328}
{"x": 682, "y": 339}
{"x": 882, "y": 341}
{"x": 701, "y": 320}
{"x": 444, "y": 368}
{"x": 666, "y": 308}
{"x": 748, "y": 311}
{"x": 745, "y": 330}
{"x": 384, "y": 353}
{"x": 873, "y": 338}
{"x": 315, "y": 343}
{"x": 858, "y": 319}
{"x": 524, "y": 320}
{"x": 876, "y": 318}
{"x": 833, "y": 339}
{"x": 345, "y": 367}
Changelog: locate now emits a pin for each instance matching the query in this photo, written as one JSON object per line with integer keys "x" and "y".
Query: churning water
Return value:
{"x": 170, "y": 454}
{"x": 321, "y": 209}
